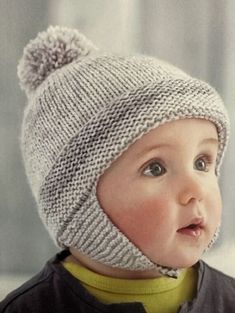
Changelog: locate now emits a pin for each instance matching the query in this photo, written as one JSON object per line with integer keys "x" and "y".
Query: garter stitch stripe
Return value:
{"x": 81, "y": 117}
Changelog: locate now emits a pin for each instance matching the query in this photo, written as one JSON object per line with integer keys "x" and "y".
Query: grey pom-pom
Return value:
{"x": 49, "y": 51}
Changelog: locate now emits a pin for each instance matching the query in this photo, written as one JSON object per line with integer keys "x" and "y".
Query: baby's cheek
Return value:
{"x": 215, "y": 206}
{"x": 144, "y": 222}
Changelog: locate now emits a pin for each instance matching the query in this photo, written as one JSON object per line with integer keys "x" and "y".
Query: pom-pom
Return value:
{"x": 50, "y": 50}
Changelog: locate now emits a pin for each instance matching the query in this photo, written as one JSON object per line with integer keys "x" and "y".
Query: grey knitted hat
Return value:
{"x": 84, "y": 109}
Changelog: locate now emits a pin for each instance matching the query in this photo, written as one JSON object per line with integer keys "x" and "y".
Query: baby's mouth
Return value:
{"x": 193, "y": 229}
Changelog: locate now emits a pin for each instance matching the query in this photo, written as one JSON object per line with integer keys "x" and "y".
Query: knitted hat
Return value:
{"x": 84, "y": 109}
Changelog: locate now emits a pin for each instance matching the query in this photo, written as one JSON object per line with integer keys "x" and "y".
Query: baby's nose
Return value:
{"x": 190, "y": 189}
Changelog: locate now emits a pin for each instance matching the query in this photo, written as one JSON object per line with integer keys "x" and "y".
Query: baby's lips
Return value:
{"x": 196, "y": 221}
{"x": 193, "y": 232}
{"x": 194, "y": 228}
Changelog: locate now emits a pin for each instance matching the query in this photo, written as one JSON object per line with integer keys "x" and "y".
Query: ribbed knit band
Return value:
{"x": 80, "y": 119}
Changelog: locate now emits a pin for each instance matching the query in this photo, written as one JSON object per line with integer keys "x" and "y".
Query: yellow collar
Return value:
{"x": 162, "y": 294}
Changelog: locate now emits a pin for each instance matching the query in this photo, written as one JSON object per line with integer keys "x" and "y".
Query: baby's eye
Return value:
{"x": 202, "y": 164}
{"x": 154, "y": 169}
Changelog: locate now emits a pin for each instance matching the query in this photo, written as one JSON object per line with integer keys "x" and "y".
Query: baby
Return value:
{"x": 123, "y": 155}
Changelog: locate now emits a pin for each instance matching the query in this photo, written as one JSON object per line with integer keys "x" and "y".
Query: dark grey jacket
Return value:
{"x": 55, "y": 290}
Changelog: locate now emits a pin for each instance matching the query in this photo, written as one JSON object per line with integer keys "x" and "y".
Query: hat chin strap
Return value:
{"x": 168, "y": 271}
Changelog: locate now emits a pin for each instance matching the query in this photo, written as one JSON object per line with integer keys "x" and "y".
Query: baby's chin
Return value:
{"x": 185, "y": 263}
{"x": 179, "y": 262}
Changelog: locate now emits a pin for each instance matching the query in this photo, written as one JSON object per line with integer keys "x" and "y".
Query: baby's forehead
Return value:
{"x": 176, "y": 133}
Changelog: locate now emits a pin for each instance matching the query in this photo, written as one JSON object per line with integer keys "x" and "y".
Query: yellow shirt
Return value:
{"x": 158, "y": 295}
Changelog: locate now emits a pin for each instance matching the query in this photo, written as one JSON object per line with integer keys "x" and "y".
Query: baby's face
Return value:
{"x": 163, "y": 194}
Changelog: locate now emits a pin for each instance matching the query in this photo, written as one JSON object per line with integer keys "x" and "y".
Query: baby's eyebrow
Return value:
{"x": 152, "y": 147}
{"x": 210, "y": 140}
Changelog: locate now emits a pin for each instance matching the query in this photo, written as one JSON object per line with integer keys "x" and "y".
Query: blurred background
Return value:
{"x": 197, "y": 36}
